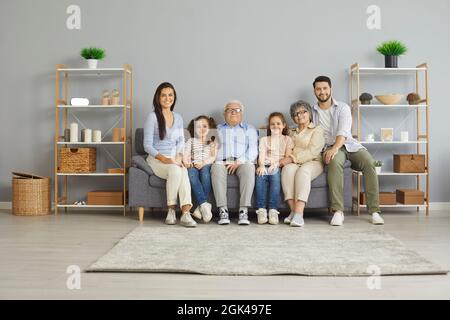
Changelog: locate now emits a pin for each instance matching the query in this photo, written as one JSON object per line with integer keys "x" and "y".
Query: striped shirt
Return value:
{"x": 199, "y": 151}
{"x": 173, "y": 142}
{"x": 239, "y": 142}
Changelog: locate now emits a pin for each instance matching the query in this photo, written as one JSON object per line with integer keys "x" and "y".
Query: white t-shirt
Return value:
{"x": 325, "y": 121}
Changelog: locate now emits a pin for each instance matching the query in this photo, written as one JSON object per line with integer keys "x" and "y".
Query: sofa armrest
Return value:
{"x": 140, "y": 163}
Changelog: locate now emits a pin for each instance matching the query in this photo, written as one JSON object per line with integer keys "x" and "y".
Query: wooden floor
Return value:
{"x": 36, "y": 251}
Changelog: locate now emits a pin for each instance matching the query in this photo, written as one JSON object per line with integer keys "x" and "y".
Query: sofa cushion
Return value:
{"x": 139, "y": 141}
{"x": 140, "y": 162}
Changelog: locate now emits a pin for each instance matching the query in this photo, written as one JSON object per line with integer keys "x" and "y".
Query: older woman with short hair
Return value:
{"x": 305, "y": 162}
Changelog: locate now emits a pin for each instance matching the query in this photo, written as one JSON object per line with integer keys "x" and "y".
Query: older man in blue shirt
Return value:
{"x": 238, "y": 149}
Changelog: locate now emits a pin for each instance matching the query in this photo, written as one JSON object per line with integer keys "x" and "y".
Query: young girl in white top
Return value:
{"x": 274, "y": 151}
{"x": 200, "y": 152}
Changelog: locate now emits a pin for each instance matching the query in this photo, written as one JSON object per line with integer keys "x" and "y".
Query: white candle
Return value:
{"x": 97, "y": 136}
{"x": 87, "y": 135}
{"x": 404, "y": 136}
{"x": 74, "y": 132}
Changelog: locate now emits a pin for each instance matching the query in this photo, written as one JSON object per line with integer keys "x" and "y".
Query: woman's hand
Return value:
{"x": 178, "y": 160}
{"x": 285, "y": 161}
{"x": 261, "y": 170}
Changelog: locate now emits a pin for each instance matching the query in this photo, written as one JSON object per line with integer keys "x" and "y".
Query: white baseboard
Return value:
{"x": 6, "y": 205}
{"x": 439, "y": 206}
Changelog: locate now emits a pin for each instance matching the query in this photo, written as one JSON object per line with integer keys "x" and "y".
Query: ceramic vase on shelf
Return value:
{"x": 92, "y": 63}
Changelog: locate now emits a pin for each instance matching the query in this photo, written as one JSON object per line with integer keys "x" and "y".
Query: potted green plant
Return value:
{"x": 92, "y": 55}
{"x": 365, "y": 98}
{"x": 413, "y": 98}
{"x": 391, "y": 51}
{"x": 378, "y": 164}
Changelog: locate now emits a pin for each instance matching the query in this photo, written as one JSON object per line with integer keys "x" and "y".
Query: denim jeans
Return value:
{"x": 200, "y": 183}
{"x": 268, "y": 183}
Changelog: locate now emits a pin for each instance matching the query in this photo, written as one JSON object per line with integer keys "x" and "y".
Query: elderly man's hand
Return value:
{"x": 231, "y": 168}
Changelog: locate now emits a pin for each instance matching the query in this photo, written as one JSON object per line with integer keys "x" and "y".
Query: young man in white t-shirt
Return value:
{"x": 336, "y": 119}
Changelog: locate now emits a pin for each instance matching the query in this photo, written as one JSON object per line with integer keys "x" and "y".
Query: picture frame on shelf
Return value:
{"x": 387, "y": 134}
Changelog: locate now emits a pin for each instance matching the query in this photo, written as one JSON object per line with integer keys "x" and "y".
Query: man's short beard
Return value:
{"x": 323, "y": 101}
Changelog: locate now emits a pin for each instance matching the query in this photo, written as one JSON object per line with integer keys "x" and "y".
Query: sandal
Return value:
{"x": 106, "y": 98}
{"x": 115, "y": 98}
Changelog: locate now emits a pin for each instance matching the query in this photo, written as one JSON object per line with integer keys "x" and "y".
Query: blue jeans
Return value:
{"x": 268, "y": 183}
{"x": 200, "y": 183}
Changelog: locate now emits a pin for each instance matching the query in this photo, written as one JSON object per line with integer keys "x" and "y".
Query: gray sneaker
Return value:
{"x": 243, "y": 218}
{"x": 297, "y": 221}
{"x": 288, "y": 219}
{"x": 223, "y": 217}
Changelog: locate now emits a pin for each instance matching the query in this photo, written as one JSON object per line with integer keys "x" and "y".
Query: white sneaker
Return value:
{"x": 377, "y": 219}
{"x": 273, "y": 216}
{"x": 187, "y": 221}
{"x": 224, "y": 218}
{"x": 205, "y": 210}
{"x": 171, "y": 217}
{"x": 288, "y": 219}
{"x": 262, "y": 215}
{"x": 197, "y": 213}
{"x": 338, "y": 219}
{"x": 243, "y": 218}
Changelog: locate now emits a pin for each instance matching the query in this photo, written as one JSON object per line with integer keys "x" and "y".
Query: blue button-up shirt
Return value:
{"x": 239, "y": 142}
{"x": 341, "y": 124}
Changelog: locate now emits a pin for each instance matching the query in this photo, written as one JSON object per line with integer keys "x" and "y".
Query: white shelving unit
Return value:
{"x": 63, "y": 106}
{"x": 421, "y": 141}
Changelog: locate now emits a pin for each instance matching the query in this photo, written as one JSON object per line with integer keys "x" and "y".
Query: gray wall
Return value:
{"x": 264, "y": 52}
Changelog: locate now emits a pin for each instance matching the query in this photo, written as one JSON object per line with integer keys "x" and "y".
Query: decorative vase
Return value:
{"x": 391, "y": 61}
{"x": 92, "y": 63}
{"x": 378, "y": 170}
{"x": 365, "y": 102}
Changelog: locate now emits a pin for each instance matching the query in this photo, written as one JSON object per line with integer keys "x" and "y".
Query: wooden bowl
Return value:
{"x": 389, "y": 99}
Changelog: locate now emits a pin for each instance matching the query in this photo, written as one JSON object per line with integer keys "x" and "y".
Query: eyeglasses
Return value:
{"x": 237, "y": 110}
{"x": 300, "y": 113}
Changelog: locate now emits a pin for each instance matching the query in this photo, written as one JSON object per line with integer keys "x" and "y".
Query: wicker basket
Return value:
{"x": 77, "y": 160}
{"x": 31, "y": 195}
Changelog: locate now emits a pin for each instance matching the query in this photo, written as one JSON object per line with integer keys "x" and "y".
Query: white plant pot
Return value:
{"x": 92, "y": 63}
{"x": 378, "y": 170}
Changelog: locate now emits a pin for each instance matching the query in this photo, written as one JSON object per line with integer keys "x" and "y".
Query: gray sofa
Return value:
{"x": 146, "y": 190}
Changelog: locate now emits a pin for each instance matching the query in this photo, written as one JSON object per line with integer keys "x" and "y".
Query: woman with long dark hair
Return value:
{"x": 164, "y": 142}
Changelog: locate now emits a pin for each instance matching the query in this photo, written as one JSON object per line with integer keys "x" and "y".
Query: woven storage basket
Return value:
{"x": 31, "y": 195}
{"x": 77, "y": 160}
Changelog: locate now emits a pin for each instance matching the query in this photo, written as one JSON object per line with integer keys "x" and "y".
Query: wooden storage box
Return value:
{"x": 115, "y": 170}
{"x": 77, "y": 160}
{"x": 409, "y": 163}
{"x": 105, "y": 198}
{"x": 385, "y": 198}
{"x": 410, "y": 196}
{"x": 30, "y": 195}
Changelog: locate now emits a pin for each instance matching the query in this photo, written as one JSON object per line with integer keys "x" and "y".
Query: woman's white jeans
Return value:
{"x": 177, "y": 181}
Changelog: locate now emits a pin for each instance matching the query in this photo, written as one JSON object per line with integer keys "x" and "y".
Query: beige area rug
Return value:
{"x": 315, "y": 250}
